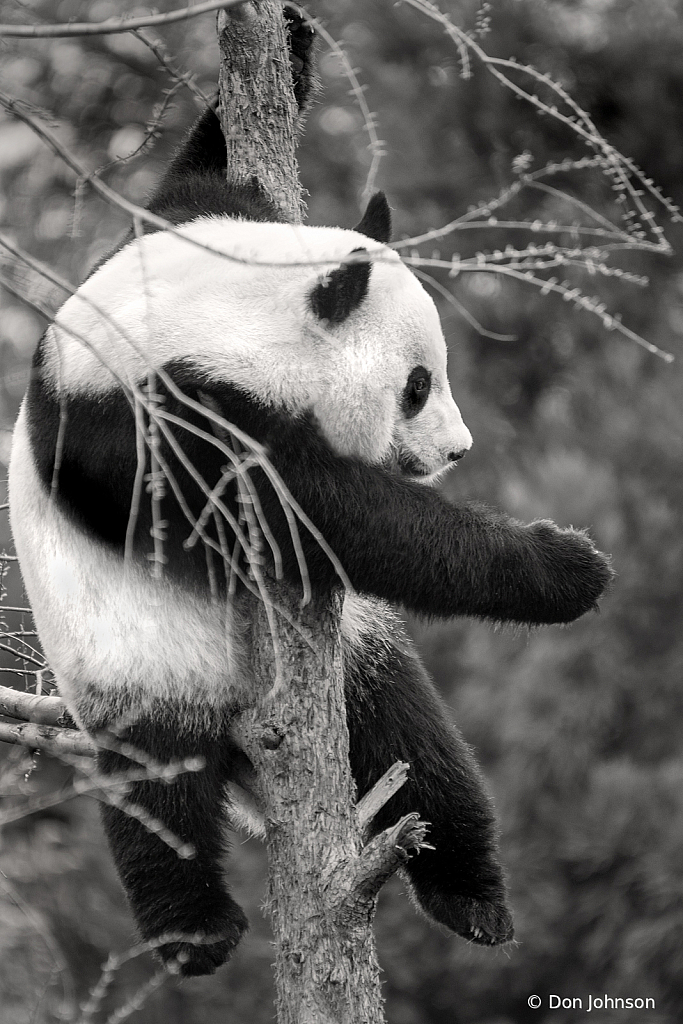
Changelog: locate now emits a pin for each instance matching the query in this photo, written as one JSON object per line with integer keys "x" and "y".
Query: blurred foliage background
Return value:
{"x": 578, "y": 729}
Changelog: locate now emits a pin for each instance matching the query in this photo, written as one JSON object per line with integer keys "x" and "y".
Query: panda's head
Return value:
{"x": 386, "y": 396}
{"x": 320, "y": 321}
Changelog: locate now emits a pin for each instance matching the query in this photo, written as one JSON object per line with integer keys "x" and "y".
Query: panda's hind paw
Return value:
{"x": 481, "y": 922}
{"x": 484, "y": 922}
{"x": 191, "y": 959}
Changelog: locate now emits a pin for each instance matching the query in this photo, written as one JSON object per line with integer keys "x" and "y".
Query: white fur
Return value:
{"x": 113, "y": 627}
{"x": 249, "y": 323}
{"x": 110, "y": 626}
{"x": 369, "y": 619}
{"x": 244, "y": 812}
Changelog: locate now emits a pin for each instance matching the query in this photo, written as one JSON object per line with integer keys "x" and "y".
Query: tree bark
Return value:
{"x": 258, "y": 110}
{"x": 325, "y": 966}
{"x": 322, "y": 888}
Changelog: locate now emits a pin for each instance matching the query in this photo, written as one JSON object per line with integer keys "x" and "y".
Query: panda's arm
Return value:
{"x": 395, "y": 539}
{"x": 404, "y": 542}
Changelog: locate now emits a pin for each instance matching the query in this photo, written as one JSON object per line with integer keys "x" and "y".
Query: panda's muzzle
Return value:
{"x": 409, "y": 465}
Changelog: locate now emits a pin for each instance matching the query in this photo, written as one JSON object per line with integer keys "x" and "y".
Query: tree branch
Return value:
{"x": 114, "y": 25}
{"x": 28, "y": 707}
{"x": 375, "y": 799}
{"x": 355, "y": 886}
{"x": 50, "y": 738}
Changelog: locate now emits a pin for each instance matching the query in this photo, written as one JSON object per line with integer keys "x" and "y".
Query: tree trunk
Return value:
{"x": 258, "y": 110}
{"x": 296, "y": 737}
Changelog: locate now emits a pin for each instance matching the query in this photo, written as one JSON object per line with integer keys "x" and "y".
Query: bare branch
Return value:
{"x": 376, "y": 147}
{"x": 358, "y": 881}
{"x": 375, "y": 799}
{"x": 30, "y": 708}
{"x": 114, "y": 25}
{"x": 50, "y": 738}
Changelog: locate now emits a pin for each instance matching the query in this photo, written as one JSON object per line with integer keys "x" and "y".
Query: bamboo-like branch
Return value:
{"x": 114, "y": 25}
{"x": 44, "y": 724}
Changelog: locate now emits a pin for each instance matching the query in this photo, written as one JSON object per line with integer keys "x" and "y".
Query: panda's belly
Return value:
{"x": 108, "y": 628}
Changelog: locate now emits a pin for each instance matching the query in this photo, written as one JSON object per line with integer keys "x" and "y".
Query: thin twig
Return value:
{"x": 114, "y": 25}
{"x": 375, "y": 145}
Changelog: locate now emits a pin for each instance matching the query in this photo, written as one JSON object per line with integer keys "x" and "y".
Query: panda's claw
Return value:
{"x": 483, "y": 922}
{"x": 201, "y": 956}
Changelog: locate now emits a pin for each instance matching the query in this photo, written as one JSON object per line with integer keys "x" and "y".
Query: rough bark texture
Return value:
{"x": 260, "y": 117}
{"x": 326, "y": 965}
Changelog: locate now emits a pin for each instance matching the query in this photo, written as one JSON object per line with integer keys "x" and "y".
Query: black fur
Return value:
{"x": 172, "y": 894}
{"x": 342, "y": 291}
{"x": 480, "y": 561}
{"x": 390, "y": 698}
{"x": 376, "y": 221}
{"x": 301, "y": 38}
{"x": 395, "y": 539}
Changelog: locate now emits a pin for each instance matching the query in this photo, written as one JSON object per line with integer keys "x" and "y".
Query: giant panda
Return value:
{"x": 321, "y": 346}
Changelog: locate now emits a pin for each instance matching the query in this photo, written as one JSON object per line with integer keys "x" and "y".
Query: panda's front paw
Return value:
{"x": 568, "y": 573}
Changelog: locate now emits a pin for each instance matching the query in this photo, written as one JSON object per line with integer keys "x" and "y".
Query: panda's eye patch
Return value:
{"x": 416, "y": 391}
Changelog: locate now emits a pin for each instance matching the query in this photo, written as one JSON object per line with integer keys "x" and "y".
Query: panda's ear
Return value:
{"x": 376, "y": 221}
{"x": 342, "y": 291}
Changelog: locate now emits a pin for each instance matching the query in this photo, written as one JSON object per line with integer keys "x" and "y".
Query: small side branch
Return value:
{"x": 355, "y": 883}
{"x": 50, "y": 738}
{"x": 353, "y": 890}
{"x": 375, "y": 799}
{"x": 114, "y": 25}
{"x": 31, "y": 708}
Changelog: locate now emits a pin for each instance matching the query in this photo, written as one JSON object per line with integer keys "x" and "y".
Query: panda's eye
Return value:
{"x": 416, "y": 391}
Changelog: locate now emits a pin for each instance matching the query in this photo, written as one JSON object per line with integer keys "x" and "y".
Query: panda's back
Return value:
{"x": 109, "y": 630}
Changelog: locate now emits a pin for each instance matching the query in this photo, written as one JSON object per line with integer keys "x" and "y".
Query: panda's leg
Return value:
{"x": 174, "y": 890}
{"x": 394, "y": 714}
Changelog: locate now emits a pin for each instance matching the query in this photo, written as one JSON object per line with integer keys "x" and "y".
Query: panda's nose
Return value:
{"x": 456, "y": 456}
